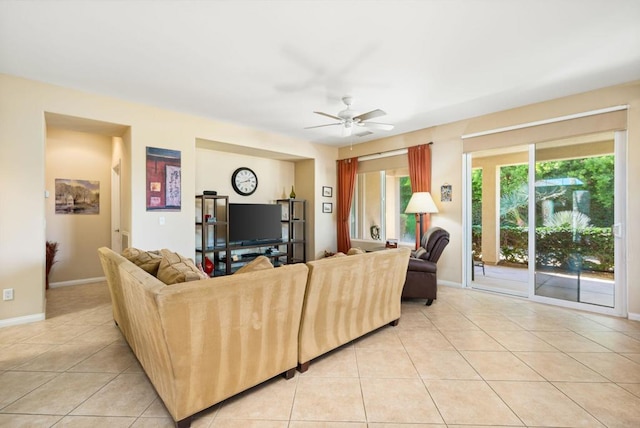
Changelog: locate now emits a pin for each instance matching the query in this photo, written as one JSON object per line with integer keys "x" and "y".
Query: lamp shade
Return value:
{"x": 420, "y": 203}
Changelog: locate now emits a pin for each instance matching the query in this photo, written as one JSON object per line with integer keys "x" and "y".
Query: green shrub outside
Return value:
{"x": 556, "y": 247}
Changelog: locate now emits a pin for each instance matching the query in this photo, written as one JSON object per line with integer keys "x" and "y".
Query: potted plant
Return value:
{"x": 52, "y": 250}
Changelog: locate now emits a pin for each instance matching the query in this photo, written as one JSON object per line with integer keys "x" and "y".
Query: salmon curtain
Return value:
{"x": 347, "y": 169}
{"x": 420, "y": 176}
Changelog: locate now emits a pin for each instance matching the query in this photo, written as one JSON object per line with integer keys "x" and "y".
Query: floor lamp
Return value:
{"x": 421, "y": 203}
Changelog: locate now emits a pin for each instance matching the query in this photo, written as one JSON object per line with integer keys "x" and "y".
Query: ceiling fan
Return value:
{"x": 349, "y": 120}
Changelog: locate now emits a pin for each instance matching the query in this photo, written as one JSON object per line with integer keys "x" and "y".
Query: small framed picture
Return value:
{"x": 327, "y": 207}
{"x": 445, "y": 193}
{"x": 327, "y": 191}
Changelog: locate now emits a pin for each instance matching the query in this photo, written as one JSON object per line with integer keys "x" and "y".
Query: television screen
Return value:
{"x": 254, "y": 222}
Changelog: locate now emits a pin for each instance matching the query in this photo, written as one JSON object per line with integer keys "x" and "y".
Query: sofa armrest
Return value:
{"x": 419, "y": 265}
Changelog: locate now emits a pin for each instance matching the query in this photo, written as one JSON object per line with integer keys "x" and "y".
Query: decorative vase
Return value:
{"x": 292, "y": 195}
{"x": 208, "y": 266}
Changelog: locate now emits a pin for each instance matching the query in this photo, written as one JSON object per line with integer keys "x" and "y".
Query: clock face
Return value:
{"x": 244, "y": 181}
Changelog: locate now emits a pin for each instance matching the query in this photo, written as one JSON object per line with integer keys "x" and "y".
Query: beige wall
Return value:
{"x": 447, "y": 168}
{"x": 78, "y": 155}
{"x": 23, "y": 106}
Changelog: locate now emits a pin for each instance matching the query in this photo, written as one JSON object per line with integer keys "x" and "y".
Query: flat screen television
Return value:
{"x": 253, "y": 223}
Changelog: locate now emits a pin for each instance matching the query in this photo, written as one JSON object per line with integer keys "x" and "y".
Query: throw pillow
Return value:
{"x": 259, "y": 263}
{"x": 149, "y": 261}
{"x": 175, "y": 269}
{"x": 355, "y": 250}
{"x": 336, "y": 255}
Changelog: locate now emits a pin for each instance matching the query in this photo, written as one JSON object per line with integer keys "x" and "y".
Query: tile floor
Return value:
{"x": 471, "y": 359}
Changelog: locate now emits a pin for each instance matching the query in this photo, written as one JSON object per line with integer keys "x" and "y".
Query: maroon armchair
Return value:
{"x": 421, "y": 282}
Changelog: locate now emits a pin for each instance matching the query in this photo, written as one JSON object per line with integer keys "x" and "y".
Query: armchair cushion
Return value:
{"x": 420, "y": 265}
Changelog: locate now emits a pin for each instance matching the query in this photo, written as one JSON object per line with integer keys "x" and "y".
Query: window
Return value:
{"x": 377, "y": 210}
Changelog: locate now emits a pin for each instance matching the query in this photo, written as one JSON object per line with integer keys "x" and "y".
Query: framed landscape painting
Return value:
{"x": 77, "y": 196}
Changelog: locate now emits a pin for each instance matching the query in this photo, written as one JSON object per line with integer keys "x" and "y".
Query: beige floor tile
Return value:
{"x": 156, "y": 409}
{"x": 324, "y": 399}
{"x": 521, "y": 341}
{"x": 500, "y": 366}
{"x": 383, "y": 338}
{"x": 541, "y": 404}
{"x": 14, "y": 385}
{"x": 537, "y": 324}
{"x": 60, "y": 395}
{"x": 272, "y": 400}
{"x": 20, "y": 333}
{"x": 247, "y": 423}
{"x": 472, "y": 341}
{"x": 453, "y": 323}
{"x": 612, "y": 366}
{"x": 428, "y": 340}
{"x": 60, "y": 334}
{"x": 60, "y": 358}
{"x": 609, "y": 403}
{"x": 470, "y": 402}
{"x": 101, "y": 334}
{"x": 570, "y": 342}
{"x": 385, "y": 363}
{"x": 338, "y": 363}
{"x": 633, "y": 388}
{"x": 17, "y": 354}
{"x": 385, "y": 425}
{"x": 154, "y": 423}
{"x": 114, "y": 358}
{"x": 126, "y": 395}
{"x": 27, "y": 421}
{"x": 310, "y": 424}
{"x": 490, "y": 323}
{"x": 632, "y": 357}
{"x": 398, "y": 400}
{"x": 441, "y": 365}
{"x": 556, "y": 366}
{"x": 615, "y": 341}
{"x": 414, "y": 318}
{"x": 94, "y": 422}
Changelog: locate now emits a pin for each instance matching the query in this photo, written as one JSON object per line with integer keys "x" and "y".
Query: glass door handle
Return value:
{"x": 616, "y": 229}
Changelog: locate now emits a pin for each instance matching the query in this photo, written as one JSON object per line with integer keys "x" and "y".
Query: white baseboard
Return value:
{"x": 76, "y": 282}
{"x": 450, "y": 283}
{"x": 22, "y": 320}
{"x": 634, "y": 317}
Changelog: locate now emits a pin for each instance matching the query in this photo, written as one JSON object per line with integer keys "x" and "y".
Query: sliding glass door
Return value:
{"x": 545, "y": 221}
{"x": 574, "y": 189}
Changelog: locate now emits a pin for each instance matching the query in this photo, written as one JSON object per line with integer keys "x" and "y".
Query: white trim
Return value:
{"x": 547, "y": 121}
{"x": 77, "y": 282}
{"x": 449, "y": 283}
{"x": 634, "y": 317}
{"x": 22, "y": 320}
{"x": 383, "y": 155}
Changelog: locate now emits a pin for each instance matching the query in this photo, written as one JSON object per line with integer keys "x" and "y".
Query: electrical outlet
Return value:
{"x": 7, "y": 294}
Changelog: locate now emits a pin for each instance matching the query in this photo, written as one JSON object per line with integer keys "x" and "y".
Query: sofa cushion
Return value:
{"x": 149, "y": 261}
{"x": 175, "y": 269}
{"x": 259, "y": 263}
{"x": 355, "y": 250}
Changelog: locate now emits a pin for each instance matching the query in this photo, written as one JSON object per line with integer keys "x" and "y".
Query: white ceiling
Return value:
{"x": 270, "y": 64}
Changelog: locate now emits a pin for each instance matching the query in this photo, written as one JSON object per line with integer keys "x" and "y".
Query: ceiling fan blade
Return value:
{"x": 328, "y": 115}
{"x": 363, "y": 133}
{"x": 320, "y": 126}
{"x": 369, "y": 115}
{"x": 377, "y": 125}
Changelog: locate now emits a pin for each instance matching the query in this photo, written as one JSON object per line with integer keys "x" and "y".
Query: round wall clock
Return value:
{"x": 244, "y": 181}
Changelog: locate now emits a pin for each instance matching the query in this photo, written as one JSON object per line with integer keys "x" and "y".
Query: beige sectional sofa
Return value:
{"x": 348, "y": 297}
{"x": 203, "y": 341}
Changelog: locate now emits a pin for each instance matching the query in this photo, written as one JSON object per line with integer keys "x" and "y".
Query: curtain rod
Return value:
{"x": 386, "y": 154}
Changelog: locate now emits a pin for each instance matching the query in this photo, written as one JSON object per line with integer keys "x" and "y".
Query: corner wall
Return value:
{"x": 22, "y": 167}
